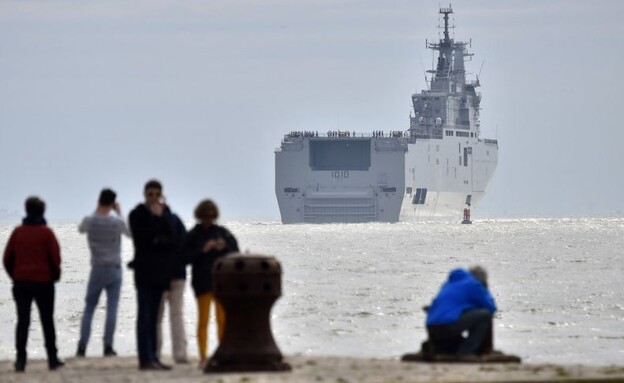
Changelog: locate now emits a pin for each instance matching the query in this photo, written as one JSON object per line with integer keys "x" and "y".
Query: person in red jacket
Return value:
{"x": 32, "y": 260}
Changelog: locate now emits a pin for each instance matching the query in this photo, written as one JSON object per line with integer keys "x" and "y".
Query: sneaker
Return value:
{"x": 108, "y": 351}
{"x": 20, "y": 366}
{"x": 149, "y": 366}
{"x": 153, "y": 366}
{"x": 55, "y": 364}
{"x": 81, "y": 352}
{"x": 163, "y": 366}
{"x": 202, "y": 363}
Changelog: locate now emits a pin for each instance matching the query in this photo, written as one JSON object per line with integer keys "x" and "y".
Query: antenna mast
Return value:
{"x": 446, "y": 12}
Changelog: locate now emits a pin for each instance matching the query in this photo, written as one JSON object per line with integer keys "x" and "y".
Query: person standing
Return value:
{"x": 464, "y": 304}
{"x": 202, "y": 246}
{"x": 174, "y": 296}
{"x": 155, "y": 240}
{"x": 104, "y": 237}
{"x": 32, "y": 258}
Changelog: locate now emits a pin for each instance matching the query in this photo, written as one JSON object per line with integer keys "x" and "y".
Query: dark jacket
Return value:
{"x": 202, "y": 263}
{"x": 156, "y": 240}
{"x": 461, "y": 292}
{"x": 32, "y": 253}
{"x": 178, "y": 266}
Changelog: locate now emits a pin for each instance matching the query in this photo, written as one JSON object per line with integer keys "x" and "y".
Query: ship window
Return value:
{"x": 408, "y": 191}
{"x": 344, "y": 154}
{"x": 466, "y": 156}
{"x": 420, "y": 196}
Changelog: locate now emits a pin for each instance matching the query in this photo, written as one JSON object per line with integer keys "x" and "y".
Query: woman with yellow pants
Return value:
{"x": 203, "y": 245}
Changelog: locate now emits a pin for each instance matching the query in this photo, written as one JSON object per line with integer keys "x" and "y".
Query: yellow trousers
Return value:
{"x": 203, "y": 309}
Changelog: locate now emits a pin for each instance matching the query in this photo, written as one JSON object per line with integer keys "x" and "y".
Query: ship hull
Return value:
{"x": 340, "y": 180}
{"x": 439, "y": 205}
{"x": 445, "y": 176}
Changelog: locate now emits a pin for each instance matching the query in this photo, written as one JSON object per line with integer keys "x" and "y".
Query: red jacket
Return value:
{"x": 33, "y": 254}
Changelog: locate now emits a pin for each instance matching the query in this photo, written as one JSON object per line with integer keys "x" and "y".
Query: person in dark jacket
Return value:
{"x": 32, "y": 258}
{"x": 174, "y": 297}
{"x": 156, "y": 240}
{"x": 464, "y": 303}
{"x": 202, "y": 246}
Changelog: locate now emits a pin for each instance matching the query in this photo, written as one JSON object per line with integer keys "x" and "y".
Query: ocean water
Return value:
{"x": 358, "y": 289}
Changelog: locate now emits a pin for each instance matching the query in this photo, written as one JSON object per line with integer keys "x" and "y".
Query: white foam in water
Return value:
{"x": 358, "y": 290}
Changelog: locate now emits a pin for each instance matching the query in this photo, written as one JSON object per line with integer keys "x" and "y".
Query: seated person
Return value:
{"x": 464, "y": 304}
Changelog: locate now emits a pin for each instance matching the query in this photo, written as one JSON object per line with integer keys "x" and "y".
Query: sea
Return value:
{"x": 359, "y": 289}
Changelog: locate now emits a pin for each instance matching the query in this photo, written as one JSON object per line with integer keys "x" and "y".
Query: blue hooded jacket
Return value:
{"x": 461, "y": 292}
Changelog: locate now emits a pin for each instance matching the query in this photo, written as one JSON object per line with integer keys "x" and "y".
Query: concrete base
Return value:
{"x": 312, "y": 369}
{"x": 491, "y": 357}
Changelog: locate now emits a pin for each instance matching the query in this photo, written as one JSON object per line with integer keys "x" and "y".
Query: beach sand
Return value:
{"x": 312, "y": 369}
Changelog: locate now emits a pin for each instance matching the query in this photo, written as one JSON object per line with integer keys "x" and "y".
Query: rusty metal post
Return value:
{"x": 247, "y": 286}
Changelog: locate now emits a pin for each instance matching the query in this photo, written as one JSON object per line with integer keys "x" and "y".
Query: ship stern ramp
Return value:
{"x": 340, "y": 179}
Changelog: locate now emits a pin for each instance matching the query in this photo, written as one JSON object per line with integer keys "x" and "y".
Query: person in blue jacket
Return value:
{"x": 464, "y": 304}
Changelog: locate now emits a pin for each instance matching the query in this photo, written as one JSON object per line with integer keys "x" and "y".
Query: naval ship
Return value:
{"x": 440, "y": 166}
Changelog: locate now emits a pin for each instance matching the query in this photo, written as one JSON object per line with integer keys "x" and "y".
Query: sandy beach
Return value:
{"x": 314, "y": 369}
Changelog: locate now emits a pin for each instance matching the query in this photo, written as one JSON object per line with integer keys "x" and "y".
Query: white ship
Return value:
{"x": 448, "y": 165}
{"x": 439, "y": 167}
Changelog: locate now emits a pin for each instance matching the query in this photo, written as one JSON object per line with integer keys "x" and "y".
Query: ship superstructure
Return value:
{"x": 448, "y": 164}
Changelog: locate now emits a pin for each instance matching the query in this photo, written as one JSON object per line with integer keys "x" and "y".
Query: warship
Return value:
{"x": 440, "y": 166}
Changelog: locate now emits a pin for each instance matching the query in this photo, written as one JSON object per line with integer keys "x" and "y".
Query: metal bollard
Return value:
{"x": 247, "y": 286}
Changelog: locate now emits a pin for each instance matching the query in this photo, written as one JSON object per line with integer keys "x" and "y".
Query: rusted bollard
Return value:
{"x": 247, "y": 286}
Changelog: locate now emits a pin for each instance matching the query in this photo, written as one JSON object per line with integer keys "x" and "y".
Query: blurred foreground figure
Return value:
{"x": 32, "y": 260}
{"x": 203, "y": 245}
{"x": 104, "y": 232}
{"x": 464, "y": 304}
{"x": 156, "y": 239}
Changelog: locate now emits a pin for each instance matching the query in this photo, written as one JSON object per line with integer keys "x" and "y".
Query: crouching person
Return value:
{"x": 463, "y": 304}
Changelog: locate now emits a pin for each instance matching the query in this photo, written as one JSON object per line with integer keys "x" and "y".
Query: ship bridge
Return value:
{"x": 450, "y": 102}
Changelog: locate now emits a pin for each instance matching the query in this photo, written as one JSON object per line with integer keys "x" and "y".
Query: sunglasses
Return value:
{"x": 153, "y": 194}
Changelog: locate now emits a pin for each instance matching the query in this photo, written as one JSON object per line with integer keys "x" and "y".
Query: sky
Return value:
{"x": 198, "y": 94}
